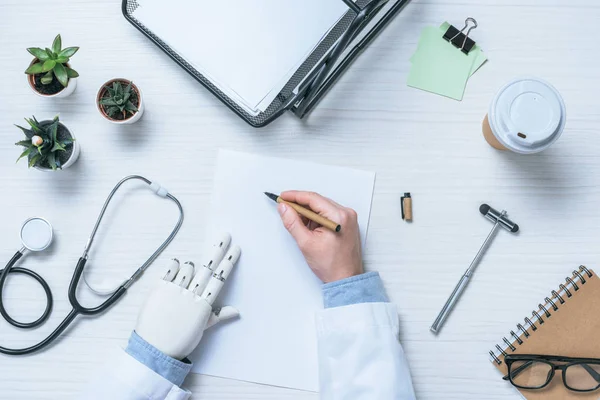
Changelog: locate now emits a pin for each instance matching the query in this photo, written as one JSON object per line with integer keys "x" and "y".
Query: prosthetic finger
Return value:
{"x": 185, "y": 274}
{"x": 213, "y": 259}
{"x": 172, "y": 270}
{"x": 216, "y": 282}
{"x": 222, "y": 314}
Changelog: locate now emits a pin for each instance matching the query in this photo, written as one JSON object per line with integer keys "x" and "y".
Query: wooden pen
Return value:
{"x": 305, "y": 212}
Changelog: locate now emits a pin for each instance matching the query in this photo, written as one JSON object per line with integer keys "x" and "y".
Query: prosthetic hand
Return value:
{"x": 179, "y": 308}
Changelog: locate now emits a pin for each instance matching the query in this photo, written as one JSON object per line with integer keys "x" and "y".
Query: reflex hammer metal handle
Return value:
{"x": 462, "y": 284}
{"x": 452, "y": 300}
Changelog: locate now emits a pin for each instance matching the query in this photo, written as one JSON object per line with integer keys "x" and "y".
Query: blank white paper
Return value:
{"x": 249, "y": 49}
{"x": 274, "y": 340}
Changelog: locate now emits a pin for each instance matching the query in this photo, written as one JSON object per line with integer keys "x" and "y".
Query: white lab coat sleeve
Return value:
{"x": 360, "y": 356}
{"x": 125, "y": 378}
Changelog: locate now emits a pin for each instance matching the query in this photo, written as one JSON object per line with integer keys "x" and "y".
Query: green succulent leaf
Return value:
{"x": 108, "y": 101}
{"x": 47, "y": 78}
{"x": 36, "y": 68}
{"x": 52, "y": 161}
{"x": 24, "y": 154}
{"x": 48, "y": 65}
{"x": 112, "y": 111}
{"x": 57, "y": 147}
{"x": 130, "y": 107}
{"x": 24, "y": 143}
{"x": 38, "y": 53}
{"x": 34, "y": 125}
{"x": 34, "y": 159}
{"x": 61, "y": 74}
{"x": 54, "y": 131}
{"x": 49, "y": 52}
{"x": 62, "y": 60}
{"x": 57, "y": 44}
{"x": 28, "y": 133}
{"x": 71, "y": 73}
{"x": 68, "y": 52}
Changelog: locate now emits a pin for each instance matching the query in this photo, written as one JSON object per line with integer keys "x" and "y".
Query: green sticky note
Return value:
{"x": 479, "y": 60}
{"x": 439, "y": 67}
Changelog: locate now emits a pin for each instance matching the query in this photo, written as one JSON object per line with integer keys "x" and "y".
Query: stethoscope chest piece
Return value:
{"x": 36, "y": 234}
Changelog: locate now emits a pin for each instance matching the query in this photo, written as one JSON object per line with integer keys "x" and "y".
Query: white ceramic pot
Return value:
{"x": 135, "y": 117}
{"x": 74, "y": 155}
{"x": 67, "y": 91}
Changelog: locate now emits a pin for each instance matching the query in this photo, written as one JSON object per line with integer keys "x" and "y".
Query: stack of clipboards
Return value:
{"x": 262, "y": 57}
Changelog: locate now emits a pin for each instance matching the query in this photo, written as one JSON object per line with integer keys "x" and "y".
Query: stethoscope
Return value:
{"x": 36, "y": 235}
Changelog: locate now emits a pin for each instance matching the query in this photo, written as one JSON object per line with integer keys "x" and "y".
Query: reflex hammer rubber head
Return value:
{"x": 495, "y": 216}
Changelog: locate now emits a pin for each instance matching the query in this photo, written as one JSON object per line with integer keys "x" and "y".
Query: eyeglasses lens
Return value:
{"x": 583, "y": 376}
{"x": 530, "y": 374}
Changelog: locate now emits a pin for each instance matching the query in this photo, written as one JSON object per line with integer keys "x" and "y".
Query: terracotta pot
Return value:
{"x": 132, "y": 118}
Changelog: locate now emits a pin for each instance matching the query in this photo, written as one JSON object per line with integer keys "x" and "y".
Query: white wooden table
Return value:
{"x": 415, "y": 141}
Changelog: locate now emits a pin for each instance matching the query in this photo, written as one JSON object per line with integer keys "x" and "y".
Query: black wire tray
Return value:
{"x": 315, "y": 76}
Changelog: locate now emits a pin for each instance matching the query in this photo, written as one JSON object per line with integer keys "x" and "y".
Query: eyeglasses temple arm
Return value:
{"x": 518, "y": 370}
{"x": 592, "y": 372}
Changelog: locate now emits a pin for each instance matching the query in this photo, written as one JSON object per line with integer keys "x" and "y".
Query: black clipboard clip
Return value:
{"x": 460, "y": 39}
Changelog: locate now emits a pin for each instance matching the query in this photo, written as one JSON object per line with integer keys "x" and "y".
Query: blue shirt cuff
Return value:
{"x": 365, "y": 288}
{"x": 169, "y": 368}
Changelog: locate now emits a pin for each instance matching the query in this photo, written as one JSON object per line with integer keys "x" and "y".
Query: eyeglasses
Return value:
{"x": 528, "y": 371}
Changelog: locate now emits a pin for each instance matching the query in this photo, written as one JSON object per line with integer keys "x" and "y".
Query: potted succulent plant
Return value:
{"x": 49, "y": 145}
{"x": 49, "y": 74}
{"x": 120, "y": 101}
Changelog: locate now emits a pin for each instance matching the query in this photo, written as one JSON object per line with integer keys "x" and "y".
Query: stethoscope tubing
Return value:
{"x": 78, "y": 309}
{"x": 10, "y": 268}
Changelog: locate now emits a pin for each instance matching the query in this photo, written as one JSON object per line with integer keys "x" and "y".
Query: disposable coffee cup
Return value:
{"x": 526, "y": 116}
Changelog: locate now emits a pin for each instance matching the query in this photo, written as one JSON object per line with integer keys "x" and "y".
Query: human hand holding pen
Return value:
{"x": 331, "y": 256}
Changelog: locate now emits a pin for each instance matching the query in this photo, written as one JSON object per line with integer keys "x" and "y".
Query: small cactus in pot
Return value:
{"x": 120, "y": 101}
{"x": 50, "y": 74}
{"x": 48, "y": 144}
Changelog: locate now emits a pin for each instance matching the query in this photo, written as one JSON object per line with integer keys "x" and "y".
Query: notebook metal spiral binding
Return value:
{"x": 554, "y": 302}
{"x": 528, "y": 322}
{"x": 558, "y": 297}
{"x": 564, "y": 289}
{"x": 549, "y": 301}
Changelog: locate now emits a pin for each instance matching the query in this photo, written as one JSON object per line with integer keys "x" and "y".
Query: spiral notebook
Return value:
{"x": 566, "y": 323}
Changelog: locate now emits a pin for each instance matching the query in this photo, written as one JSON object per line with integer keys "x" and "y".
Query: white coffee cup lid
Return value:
{"x": 527, "y": 115}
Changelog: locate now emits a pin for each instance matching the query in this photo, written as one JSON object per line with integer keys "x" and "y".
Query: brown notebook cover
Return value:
{"x": 571, "y": 327}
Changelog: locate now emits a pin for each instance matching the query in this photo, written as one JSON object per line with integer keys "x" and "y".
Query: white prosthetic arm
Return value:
{"x": 179, "y": 309}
